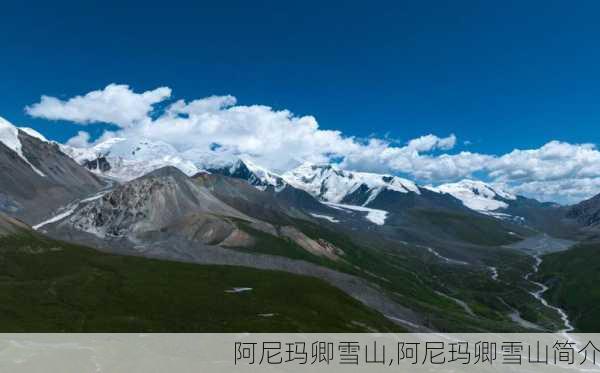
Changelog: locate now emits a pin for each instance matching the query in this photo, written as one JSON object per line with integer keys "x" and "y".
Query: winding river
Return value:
{"x": 568, "y": 327}
{"x": 538, "y": 246}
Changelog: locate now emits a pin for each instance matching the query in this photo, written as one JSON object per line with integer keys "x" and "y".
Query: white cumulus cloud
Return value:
{"x": 81, "y": 140}
{"x": 278, "y": 139}
{"x": 431, "y": 142}
{"x": 116, "y": 104}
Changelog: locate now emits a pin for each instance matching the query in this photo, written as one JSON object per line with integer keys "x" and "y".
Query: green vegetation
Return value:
{"x": 51, "y": 286}
{"x": 467, "y": 228}
{"x": 266, "y": 243}
{"x": 574, "y": 277}
{"x": 47, "y": 285}
{"x": 414, "y": 278}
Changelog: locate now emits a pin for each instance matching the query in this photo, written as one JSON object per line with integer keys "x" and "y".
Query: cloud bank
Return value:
{"x": 116, "y": 104}
{"x": 278, "y": 139}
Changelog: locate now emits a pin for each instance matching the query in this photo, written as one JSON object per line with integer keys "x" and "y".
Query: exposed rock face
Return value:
{"x": 166, "y": 201}
{"x": 99, "y": 164}
{"x": 251, "y": 173}
{"x": 318, "y": 247}
{"x": 587, "y": 212}
{"x": 207, "y": 229}
{"x": 166, "y": 205}
{"x": 278, "y": 207}
{"x": 33, "y": 185}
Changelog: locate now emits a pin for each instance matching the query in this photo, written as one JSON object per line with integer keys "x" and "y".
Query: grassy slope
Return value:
{"x": 478, "y": 230}
{"x": 574, "y": 278}
{"x": 49, "y": 286}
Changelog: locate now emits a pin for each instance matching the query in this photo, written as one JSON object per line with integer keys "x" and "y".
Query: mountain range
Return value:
{"x": 421, "y": 257}
{"x": 123, "y": 160}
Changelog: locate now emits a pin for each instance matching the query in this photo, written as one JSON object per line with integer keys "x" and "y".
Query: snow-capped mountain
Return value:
{"x": 33, "y": 133}
{"x": 81, "y": 155}
{"x": 9, "y": 136}
{"x": 376, "y": 194}
{"x": 332, "y": 184}
{"x": 353, "y": 184}
{"x": 125, "y": 159}
{"x": 36, "y": 177}
{"x": 477, "y": 195}
{"x": 254, "y": 174}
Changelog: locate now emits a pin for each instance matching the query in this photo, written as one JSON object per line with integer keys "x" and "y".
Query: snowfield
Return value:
{"x": 476, "y": 195}
{"x": 331, "y": 219}
{"x": 373, "y": 215}
{"x": 332, "y": 184}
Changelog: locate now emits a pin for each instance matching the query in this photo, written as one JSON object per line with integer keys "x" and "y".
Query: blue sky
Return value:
{"x": 502, "y": 76}
{"x": 499, "y": 75}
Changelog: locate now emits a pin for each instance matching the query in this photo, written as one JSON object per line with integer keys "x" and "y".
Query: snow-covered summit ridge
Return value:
{"x": 477, "y": 195}
{"x": 130, "y": 159}
{"x": 81, "y": 155}
{"x": 267, "y": 177}
{"x": 243, "y": 168}
{"x": 332, "y": 184}
{"x": 9, "y": 136}
{"x": 33, "y": 133}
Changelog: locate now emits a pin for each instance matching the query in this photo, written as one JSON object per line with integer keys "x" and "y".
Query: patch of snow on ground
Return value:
{"x": 494, "y": 271}
{"x": 70, "y": 209}
{"x": 238, "y": 290}
{"x": 373, "y": 215}
{"x": 57, "y": 217}
{"x": 331, "y": 219}
{"x": 403, "y": 321}
{"x": 497, "y": 215}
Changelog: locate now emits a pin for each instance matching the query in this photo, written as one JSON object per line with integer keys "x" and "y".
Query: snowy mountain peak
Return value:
{"x": 266, "y": 176}
{"x": 82, "y": 155}
{"x": 129, "y": 159}
{"x": 330, "y": 183}
{"x": 9, "y": 136}
{"x": 33, "y": 133}
{"x": 254, "y": 174}
{"x": 477, "y": 195}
